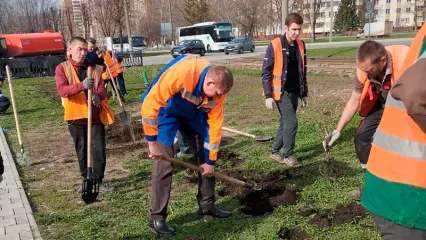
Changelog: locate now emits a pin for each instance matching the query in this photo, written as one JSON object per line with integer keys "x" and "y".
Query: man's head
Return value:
{"x": 293, "y": 26}
{"x": 78, "y": 49}
{"x": 218, "y": 81}
{"x": 371, "y": 58}
{"x": 91, "y": 44}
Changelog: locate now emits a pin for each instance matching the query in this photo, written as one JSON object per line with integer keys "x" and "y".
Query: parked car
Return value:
{"x": 239, "y": 45}
{"x": 189, "y": 46}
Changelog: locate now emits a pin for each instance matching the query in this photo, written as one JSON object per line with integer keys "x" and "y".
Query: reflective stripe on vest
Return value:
{"x": 398, "y": 152}
{"x": 277, "y": 72}
{"x": 368, "y": 99}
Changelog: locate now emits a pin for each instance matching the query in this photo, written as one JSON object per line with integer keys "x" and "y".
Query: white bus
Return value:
{"x": 215, "y": 35}
{"x": 138, "y": 43}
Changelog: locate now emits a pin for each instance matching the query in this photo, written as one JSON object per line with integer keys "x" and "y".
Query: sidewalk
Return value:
{"x": 16, "y": 217}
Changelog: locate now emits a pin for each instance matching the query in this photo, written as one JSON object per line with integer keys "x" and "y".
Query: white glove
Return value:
{"x": 331, "y": 137}
{"x": 269, "y": 102}
{"x": 304, "y": 101}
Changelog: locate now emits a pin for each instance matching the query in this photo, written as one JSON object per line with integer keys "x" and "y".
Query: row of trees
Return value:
{"x": 107, "y": 18}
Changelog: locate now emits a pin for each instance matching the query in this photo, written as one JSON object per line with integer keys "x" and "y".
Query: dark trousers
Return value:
{"x": 286, "y": 134}
{"x": 122, "y": 86}
{"x": 364, "y": 135}
{"x": 79, "y": 135}
{"x": 162, "y": 177}
{"x": 392, "y": 231}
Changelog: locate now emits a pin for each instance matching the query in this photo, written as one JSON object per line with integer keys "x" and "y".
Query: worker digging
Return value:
{"x": 186, "y": 104}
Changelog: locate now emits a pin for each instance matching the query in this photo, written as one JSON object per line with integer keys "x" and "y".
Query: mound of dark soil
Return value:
{"x": 350, "y": 213}
{"x": 273, "y": 191}
{"x": 292, "y": 234}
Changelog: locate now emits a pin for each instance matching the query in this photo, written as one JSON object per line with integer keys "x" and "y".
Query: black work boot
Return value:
{"x": 160, "y": 226}
{"x": 214, "y": 212}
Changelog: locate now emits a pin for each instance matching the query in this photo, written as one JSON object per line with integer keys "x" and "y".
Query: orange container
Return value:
{"x": 34, "y": 44}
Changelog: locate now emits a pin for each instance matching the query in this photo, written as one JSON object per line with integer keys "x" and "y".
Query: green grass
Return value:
{"x": 123, "y": 214}
{"x": 332, "y": 52}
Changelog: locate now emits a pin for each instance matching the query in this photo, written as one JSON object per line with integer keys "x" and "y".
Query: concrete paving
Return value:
{"x": 16, "y": 216}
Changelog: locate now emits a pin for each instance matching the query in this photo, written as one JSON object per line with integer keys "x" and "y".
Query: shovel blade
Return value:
{"x": 263, "y": 138}
{"x": 89, "y": 190}
{"x": 125, "y": 117}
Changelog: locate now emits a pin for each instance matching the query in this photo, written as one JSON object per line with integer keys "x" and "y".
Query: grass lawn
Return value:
{"x": 123, "y": 214}
{"x": 332, "y": 52}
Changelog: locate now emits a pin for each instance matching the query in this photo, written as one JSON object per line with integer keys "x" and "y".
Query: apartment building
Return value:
{"x": 403, "y": 13}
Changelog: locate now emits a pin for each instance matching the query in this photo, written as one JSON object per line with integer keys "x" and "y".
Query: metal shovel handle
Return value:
{"x": 200, "y": 170}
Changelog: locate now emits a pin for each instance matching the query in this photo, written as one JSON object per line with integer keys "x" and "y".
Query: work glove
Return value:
{"x": 331, "y": 138}
{"x": 269, "y": 102}
{"x": 96, "y": 100}
{"x": 88, "y": 82}
{"x": 304, "y": 101}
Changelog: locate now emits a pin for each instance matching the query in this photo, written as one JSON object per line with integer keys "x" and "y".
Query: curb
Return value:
{"x": 9, "y": 162}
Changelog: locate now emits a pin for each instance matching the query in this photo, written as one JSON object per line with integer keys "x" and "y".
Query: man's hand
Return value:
{"x": 331, "y": 138}
{"x": 88, "y": 82}
{"x": 304, "y": 101}
{"x": 96, "y": 100}
{"x": 269, "y": 103}
{"x": 155, "y": 151}
{"x": 208, "y": 170}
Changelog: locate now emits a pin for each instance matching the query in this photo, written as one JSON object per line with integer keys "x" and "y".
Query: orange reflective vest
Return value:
{"x": 277, "y": 72}
{"x": 110, "y": 63}
{"x": 178, "y": 83}
{"x": 395, "y": 181}
{"x": 75, "y": 107}
{"x": 368, "y": 98}
{"x": 118, "y": 66}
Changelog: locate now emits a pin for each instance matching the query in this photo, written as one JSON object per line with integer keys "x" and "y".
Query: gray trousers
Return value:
{"x": 392, "y": 231}
{"x": 286, "y": 134}
{"x": 162, "y": 177}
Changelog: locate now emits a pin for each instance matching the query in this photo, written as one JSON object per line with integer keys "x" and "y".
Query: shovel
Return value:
{"x": 256, "y": 138}
{"x": 90, "y": 187}
{"x": 217, "y": 175}
{"x": 22, "y": 157}
{"x": 125, "y": 116}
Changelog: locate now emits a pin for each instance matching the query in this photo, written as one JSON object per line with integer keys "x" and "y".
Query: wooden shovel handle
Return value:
{"x": 238, "y": 132}
{"x": 89, "y": 122}
{"x": 200, "y": 170}
{"x": 15, "y": 113}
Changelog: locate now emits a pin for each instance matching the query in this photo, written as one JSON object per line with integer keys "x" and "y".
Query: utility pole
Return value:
{"x": 129, "y": 36}
{"x": 171, "y": 22}
{"x": 331, "y": 21}
{"x": 284, "y": 13}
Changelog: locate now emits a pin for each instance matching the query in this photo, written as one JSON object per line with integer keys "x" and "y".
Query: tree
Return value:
{"x": 312, "y": 8}
{"x": 195, "y": 11}
{"x": 346, "y": 18}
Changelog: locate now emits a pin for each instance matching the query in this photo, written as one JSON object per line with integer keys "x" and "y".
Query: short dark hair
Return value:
{"x": 92, "y": 41}
{"x": 293, "y": 18}
{"x": 370, "y": 50}
{"x": 78, "y": 39}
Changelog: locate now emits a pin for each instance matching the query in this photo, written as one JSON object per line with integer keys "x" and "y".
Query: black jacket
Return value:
{"x": 268, "y": 66}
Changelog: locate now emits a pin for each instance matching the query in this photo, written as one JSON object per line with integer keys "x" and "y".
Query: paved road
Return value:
{"x": 164, "y": 59}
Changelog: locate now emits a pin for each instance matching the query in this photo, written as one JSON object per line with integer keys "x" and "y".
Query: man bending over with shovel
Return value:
{"x": 72, "y": 84}
{"x": 189, "y": 95}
